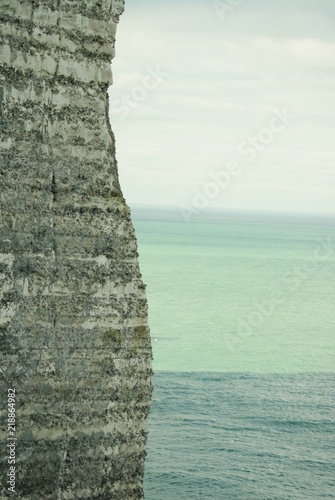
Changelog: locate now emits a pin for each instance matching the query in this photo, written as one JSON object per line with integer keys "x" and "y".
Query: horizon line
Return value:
{"x": 152, "y": 206}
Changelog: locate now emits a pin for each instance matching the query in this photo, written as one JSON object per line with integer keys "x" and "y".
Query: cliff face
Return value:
{"x": 74, "y": 338}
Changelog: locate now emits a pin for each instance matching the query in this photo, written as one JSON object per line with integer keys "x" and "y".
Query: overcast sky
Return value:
{"x": 226, "y": 104}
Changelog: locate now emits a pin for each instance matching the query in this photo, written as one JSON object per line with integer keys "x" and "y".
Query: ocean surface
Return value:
{"x": 242, "y": 319}
{"x": 241, "y": 436}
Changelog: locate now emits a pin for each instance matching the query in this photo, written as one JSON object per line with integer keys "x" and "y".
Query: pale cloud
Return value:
{"x": 224, "y": 79}
{"x": 253, "y": 53}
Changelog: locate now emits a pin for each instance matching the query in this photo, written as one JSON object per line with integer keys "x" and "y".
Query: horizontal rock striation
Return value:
{"x": 75, "y": 343}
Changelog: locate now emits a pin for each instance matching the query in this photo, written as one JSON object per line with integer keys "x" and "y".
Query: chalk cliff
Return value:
{"x": 74, "y": 337}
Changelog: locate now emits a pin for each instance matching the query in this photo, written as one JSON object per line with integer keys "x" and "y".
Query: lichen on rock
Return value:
{"x": 75, "y": 341}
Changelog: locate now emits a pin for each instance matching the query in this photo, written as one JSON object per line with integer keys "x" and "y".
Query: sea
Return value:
{"x": 242, "y": 319}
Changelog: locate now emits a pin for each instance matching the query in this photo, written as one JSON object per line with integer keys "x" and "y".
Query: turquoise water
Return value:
{"x": 242, "y": 322}
{"x": 249, "y": 295}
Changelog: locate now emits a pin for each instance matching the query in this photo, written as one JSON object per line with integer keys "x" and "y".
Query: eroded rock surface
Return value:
{"x": 74, "y": 338}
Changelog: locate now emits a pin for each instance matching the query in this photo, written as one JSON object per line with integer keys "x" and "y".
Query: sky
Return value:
{"x": 226, "y": 104}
